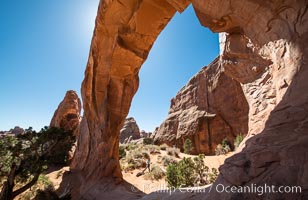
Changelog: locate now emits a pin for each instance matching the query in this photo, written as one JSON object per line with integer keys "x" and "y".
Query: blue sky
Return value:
{"x": 44, "y": 46}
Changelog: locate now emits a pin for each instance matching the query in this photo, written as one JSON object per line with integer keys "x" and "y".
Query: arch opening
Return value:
{"x": 124, "y": 34}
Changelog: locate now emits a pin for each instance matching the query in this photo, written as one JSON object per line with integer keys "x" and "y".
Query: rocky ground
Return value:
{"x": 142, "y": 183}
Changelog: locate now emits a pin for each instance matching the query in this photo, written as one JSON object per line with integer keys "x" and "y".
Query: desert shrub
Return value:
{"x": 239, "y": 138}
{"x": 171, "y": 151}
{"x": 187, "y": 172}
{"x": 122, "y": 152}
{"x": 223, "y": 148}
{"x": 25, "y": 157}
{"x": 131, "y": 146}
{"x": 173, "y": 176}
{"x": 153, "y": 149}
{"x": 167, "y": 160}
{"x": 226, "y": 144}
{"x": 190, "y": 172}
{"x": 188, "y": 146}
{"x": 156, "y": 173}
{"x": 135, "y": 159}
{"x": 213, "y": 176}
{"x": 60, "y": 153}
{"x": 148, "y": 141}
{"x": 43, "y": 183}
{"x": 163, "y": 147}
{"x": 200, "y": 169}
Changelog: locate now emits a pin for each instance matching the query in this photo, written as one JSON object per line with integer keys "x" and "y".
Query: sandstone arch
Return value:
{"x": 265, "y": 51}
{"x": 124, "y": 34}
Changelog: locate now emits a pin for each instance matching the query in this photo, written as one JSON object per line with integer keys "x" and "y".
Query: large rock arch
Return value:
{"x": 264, "y": 50}
{"x": 124, "y": 34}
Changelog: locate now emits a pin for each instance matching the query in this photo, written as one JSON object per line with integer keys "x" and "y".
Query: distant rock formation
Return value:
{"x": 13, "y": 132}
{"x": 145, "y": 134}
{"x": 67, "y": 115}
{"x": 17, "y": 131}
{"x": 211, "y": 107}
{"x": 130, "y": 130}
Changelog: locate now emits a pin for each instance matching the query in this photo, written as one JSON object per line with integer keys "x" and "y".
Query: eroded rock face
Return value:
{"x": 211, "y": 107}
{"x": 67, "y": 115}
{"x": 124, "y": 34}
{"x": 130, "y": 130}
{"x": 265, "y": 51}
{"x": 271, "y": 66}
{"x": 17, "y": 131}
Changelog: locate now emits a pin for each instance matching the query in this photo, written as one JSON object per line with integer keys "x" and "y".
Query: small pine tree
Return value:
{"x": 187, "y": 172}
{"x": 173, "y": 176}
{"x": 188, "y": 146}
{"x": 26, "y": 156}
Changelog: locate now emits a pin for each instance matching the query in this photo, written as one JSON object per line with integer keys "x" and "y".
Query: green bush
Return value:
{"x": 173, "y": 176}
{"x": 201, "y": 169}
{"x": 59, "y": 155}
{"x": 190, "y": 172}
{"x": 239, "y": 138}
{"x": 223, "y": 148}
{"x": 187, "y": 170}
{"x": 122, "y": 152}
{"x": 213, "y": 176}
{"x": 188, "y": 146}
{"x": 131, "y": 146}
{"x": 135, "y": 159}
{"x": 147, "y": 141}
{"x": 31, "y": 153}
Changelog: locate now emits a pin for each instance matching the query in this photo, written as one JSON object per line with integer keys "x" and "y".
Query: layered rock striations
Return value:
{"x": 67, "y": 115}
{"x": 211, "y": 107}
{"x": 265, "y": 50}
{"x": 124, "y": 34}
{"x": 130, "y": 130}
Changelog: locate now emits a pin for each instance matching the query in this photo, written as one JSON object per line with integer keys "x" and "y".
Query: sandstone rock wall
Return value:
{"x": 265, "y": 51}
{"x": 124, "y": 34}
{"x": 211, "y": 107}
{"x": 67, "y": 115}
{"x": 269, "y": 59}
{"x": 130, "y": 129}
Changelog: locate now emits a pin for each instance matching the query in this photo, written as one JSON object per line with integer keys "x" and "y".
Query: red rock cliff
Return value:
{"x": 211, "y": 107}
{"x": 265, "y": 51}
{"x": 67, "y": 115}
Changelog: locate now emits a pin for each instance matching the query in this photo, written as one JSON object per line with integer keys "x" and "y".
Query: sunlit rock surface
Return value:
{"x": 211, "y": 107}
{"x": 130, "y": 130}
{"x": 265, "y": 50}
{"x": 67, "y": 115}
